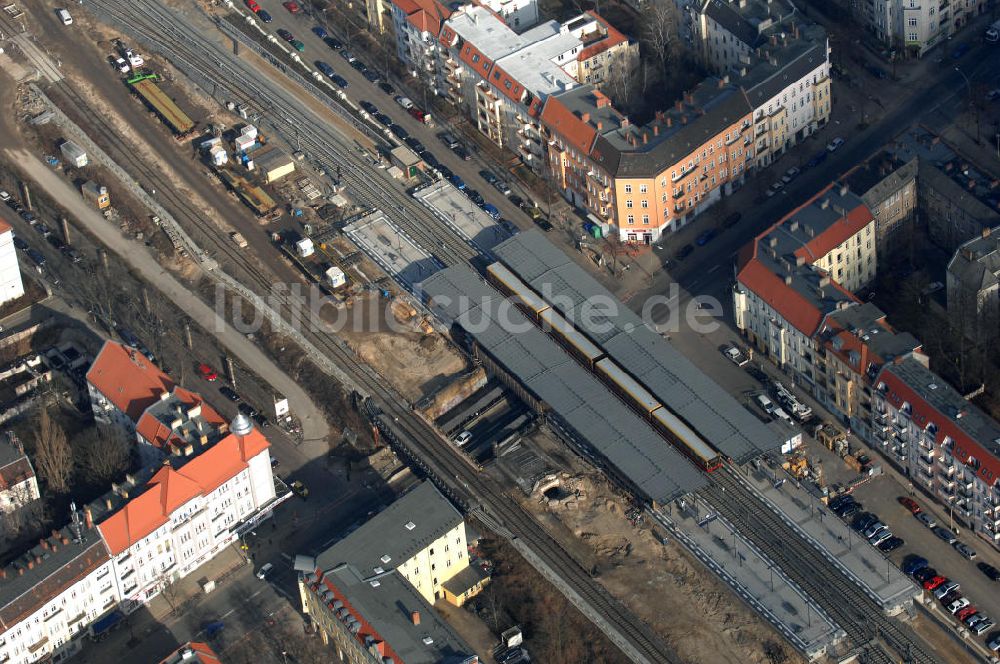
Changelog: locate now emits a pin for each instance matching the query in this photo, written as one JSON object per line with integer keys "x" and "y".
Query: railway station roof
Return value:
{"x": 596, "y": 417}
{"x": 622, "y": 334}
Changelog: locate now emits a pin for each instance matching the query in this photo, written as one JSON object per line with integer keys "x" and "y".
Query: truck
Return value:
{"x": 993, "y": 32}
{"x": 238, "y": 238}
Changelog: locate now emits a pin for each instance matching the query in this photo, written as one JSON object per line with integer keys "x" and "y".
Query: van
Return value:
{"x": 404, "y": 102}
{"x": 64, "y": 17}
{"x": 766, "y": 404}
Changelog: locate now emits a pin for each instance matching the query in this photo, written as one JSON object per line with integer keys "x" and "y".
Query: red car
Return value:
{"x": 253, "y": 6}
{"x": 934, "y": 582}
{"x": 966, "y": 612}
{"x": 207, "y": 372}
{"x": 292, "y": 7}
{"x": 910, "y": 504}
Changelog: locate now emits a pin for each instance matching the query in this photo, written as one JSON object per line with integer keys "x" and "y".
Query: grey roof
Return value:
{"x": 387, "y": 607}
{"x": 45, "y": 570}
{"x": 949, "y": 404}
{"x": 464, "y": 580}
{"x": 728, "y": 16}
{"x": 646, "y": 151}
{"x": 576, "y": 398}
{"x": 868, "y": 322}
{"x": 386, "y": 534}
{"x": 881, "y": 176}
{"x": 976, "y": 264}
{"x": 755, "y": 19}
{"x": 669, "y": 376}
{"x": 791, "y": 64}
{"x": 8, "y": 453}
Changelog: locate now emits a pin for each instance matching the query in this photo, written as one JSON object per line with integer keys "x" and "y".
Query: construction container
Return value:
{"x": 335, "y": 277}
{"x": 74, "y": 154}
{"x": 304, "y": 247}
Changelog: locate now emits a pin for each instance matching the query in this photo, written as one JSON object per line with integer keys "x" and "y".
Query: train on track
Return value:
{"x": 667, "y": 423}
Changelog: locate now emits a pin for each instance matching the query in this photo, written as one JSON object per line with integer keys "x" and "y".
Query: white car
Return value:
{"x": 881, "y": 537}
{"x": 264, "y": 571}
{"x": 965, "y": 550}
{"x": 134, "y": 59}
{"x": 983, "y": 625}
{"x": 4, "y": 196}
{"x": 834, "y": 144}
{"x": 957, "y": 605}
{"x": 463, "y": 438}
{"x": 736, "y": 356}
{"x": 945, "y": 588}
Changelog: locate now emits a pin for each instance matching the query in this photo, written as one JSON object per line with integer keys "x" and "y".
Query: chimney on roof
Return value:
{"x": 679, "y": 104}
{"x": 800, "y": 261}
{"x": 986, "y": 232}
{"x": 55, "y": 546}
{"x": 774, "y": 40}
{"x": 600, "y": 125}
{"x": 64, "y": 540}
{"x": 659, "y": 116}
{"x": 844, "y": 189}
{"x": 645, "y": 137}
{"x": 20, "y": 571}
{"x": 793, "y": 225}
{"x": 689, "y": 98}
{"x": 772, "y": 241}
{"x": 44, "y": 543}
{"x": 164, "y": 395}
{"x": 3, "y": 572}
{"x": 31, "y": 563}
{"x": 107, "y": 503}
{"x": 585, "y": 117}
{"x": 88, "y": 517}
{"x": 788, "y": 280}
{"x": 415, "y": 617}
{"x": 656, "y": 130}
{"x": 670, "y": 121}
{"x": 684, "y": 119}
{"x": 824, "y": 204}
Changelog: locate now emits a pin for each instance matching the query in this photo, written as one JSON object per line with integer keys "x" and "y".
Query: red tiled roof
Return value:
{"x": 127, "y": 379}
{"x": 838, "y": 233}
{"x": 15, "y": 472}
{"x": 500, "y": 79}
{"x": 4, "y": 226}
{"x": 793, "y": 307}
{"x": 202, "y": 651}
{"x": 424, "y": 15}
{"x": 559, "y": 119}
{"x": 923, "y": 413}
{"x": 613, "y": 38}
{"x": 169, "y": 489}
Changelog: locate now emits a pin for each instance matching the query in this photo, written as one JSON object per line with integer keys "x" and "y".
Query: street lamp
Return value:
{"x": 975, "y": 107}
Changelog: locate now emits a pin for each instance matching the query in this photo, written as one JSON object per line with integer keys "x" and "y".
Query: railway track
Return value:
{"x": 220, "y": 74}
{"x": 859, "y": 616}
{"x": 190, "y": 52}
{"x": 637, "y": 641}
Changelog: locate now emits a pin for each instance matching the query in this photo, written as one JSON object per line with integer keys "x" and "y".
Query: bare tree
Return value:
{"x": 102, "y": 454}
{"x": 622, "y": 80}
{"x": 53, "y": 456}
{"x": 660, "y": 30}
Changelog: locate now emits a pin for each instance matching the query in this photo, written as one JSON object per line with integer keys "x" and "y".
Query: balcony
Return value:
{"x": 881, "y": 417}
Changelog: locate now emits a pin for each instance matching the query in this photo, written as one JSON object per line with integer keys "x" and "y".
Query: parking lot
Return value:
{"x": 881, "y": 497}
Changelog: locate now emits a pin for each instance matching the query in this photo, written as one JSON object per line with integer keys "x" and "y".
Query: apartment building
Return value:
{"x": 602, "y": 49}
{"x": 952, "y": 447}
{"x": 52, "y": 592}
{"x": 11, "y": 286}
{"x": 915, "y": 26}
{"x": 801, "y": 270}
{"x": 18, "y": 483}
{"x": 370, "y": 594}
{"x": 956, "y": 198}
{"x": 179, "y": 423}
{"x": 122, "y": 384}
{"x": 727, "y": 33}
{"x": 189, "y": 510}
{"x": 417, "y": 24}
{"x": 973, "y": 286}
{"x": 889, "y": 189}
{"x": 519, "y": 15}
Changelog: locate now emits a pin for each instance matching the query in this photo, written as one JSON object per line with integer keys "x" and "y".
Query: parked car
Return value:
{"x": 320, "y": 32}
{"x": 463, "y": 438}
{"x": 959, "y": 51}
{"x": 683, "y": 252}
{"x": 253, "y": 6}
{"x": 756, "y": 373}
{"x": 207, "y": 372}
{"x": 543, "y": 223}
{"x": 462, "y": 153}
{"x": 817, "y": 159}
{"x": 790, "y": 175}
{"x": 265, "y": 16}
{"x": 335, "y": 44}
{"x": 491, "y": 210}
{"x": 924, "y": 573}
{"x": 383, "y": 119}
{"x": 387, "y": 88}
{"x": 983, "y": 625}
{"x": 475, "y": 197}
{"x": 910, "y": 504}
{"x": 347, "y": 55}
{"x": 731, "y": 219}
{"x": 292, "y": 7}
{"x": 973, "y": 618}
{"x": 229, "y": 393}
{"x": 989, "y": 570}
{"x": 339, "y": 80}
{"x": 994, "y": 643}
{"x": 264, "y": 571}
{"x": 927, "y": 520}
{"x": 934, "y": 582}
{"x": 285, "y": 34}
{"x": 414, "y": 144}
{"x": 881, "y": 537}
{"x": 834, "y": 144}
{"x": 965, "y": 550}
{"x": 4, "y": 195}
{"x": 912, "y": 564}
{"x": 325, "y": 69}
{"x": 736, "y": 356}
{"x": 957, "y": 605}
{"x": 945, "y": 588}
{"x": 369, "y": 107}
{"x": 705, "y": 237}
{"x": 966, "y": 611}
{"x": 298, "y": 45}
{"x": 398, "y": 131}
{"x": 457, "y": 181}
{"x": 945, "y": 534}
{"x": 891, "y": 544}
{"x": 851, "y": 510}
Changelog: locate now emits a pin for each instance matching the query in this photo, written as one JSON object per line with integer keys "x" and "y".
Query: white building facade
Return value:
{"x": 11, "y": 286}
